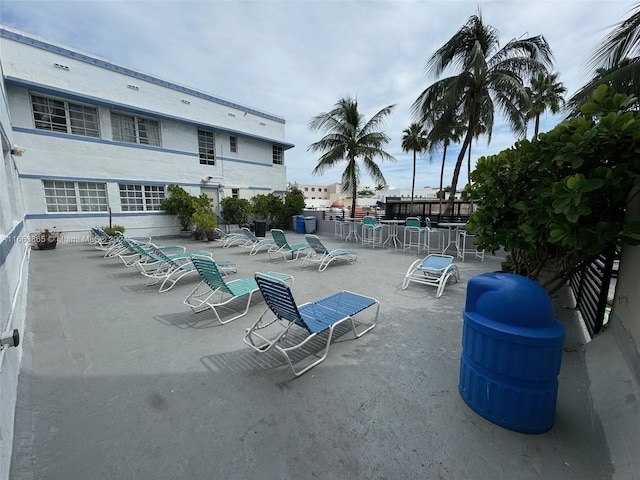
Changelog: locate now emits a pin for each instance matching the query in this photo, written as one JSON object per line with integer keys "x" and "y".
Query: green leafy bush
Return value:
{"x": 179, "y": 203}
{"x": 113, "y": 229}
{"x": 236, "y": 211}
{"x": 558, "y": 202}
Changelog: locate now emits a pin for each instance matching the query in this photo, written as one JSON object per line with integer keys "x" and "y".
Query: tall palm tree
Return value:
{"x": 349, "y": 137}
{"x": 545, "y": 93}
{"x": 615, "y": 62}
{"x": 453, "y": 136}
{"x": 414, "y": 140}
{"x": 489, "y": 78}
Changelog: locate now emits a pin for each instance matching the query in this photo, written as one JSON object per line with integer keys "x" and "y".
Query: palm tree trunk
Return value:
{"x": 537, "y": 127}
{"x": 456, "y": 171}
{"x": 441, "y": 193}
{"x": 354, "y": 194}
{"x": 413, "y": 182}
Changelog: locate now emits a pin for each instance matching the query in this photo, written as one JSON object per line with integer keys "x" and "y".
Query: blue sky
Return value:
{"x": 297, "y": 58}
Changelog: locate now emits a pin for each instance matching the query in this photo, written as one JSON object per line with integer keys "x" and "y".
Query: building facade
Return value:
{"x": 100, "y": 142}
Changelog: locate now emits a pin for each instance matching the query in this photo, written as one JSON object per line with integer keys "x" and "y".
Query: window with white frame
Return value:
{"x": 140, "y": 198}
{"x": 206, "y": 147}
{"x": 63, "y": 196}
{"x": 65, "y": 117}
{"x": 235, "y": 193}
{"x": 278, "y": 155}
{"x": 233, "y": 144}
{"x": 133, "y": 129}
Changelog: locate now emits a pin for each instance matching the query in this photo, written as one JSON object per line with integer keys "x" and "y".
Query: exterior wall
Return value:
{"x": 34, "y": 66}
{"x": 316, "y": 196}
{"x": 626, "y": 302}
{"x": 14, "y": 256}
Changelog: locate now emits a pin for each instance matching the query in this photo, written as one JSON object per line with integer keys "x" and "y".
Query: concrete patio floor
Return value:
{"x": 120, "y": 382}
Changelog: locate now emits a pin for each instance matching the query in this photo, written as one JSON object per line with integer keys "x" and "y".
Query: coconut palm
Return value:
{"x": 349, "y": 137}
{"x": 453, "y": 136}
{"x": 489, "y": 78}
{"x": 414, "y": 140}
{"x": 545, "y": 93}
{"x": 616, "y": 62}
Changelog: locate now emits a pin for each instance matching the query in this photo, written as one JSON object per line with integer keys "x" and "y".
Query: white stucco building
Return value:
{"x": 99, "y": 137}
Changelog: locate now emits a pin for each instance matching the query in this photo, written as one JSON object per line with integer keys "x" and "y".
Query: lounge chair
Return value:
{"x": 224, "y": 237}
{"x": 138, "y": 254}
{"x": 282, "y": 247}
{"x": 213, "y": 291}
{"x": 300, "y": 324}
{"x": 435, "y": 270}
{"x": 171, "y": 268}
{"x": 323, "y": 256}
{"x": 255, "y": 244}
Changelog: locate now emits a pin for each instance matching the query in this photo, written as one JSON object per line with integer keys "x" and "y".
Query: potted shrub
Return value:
{"x": 204, "y": 218}
{"x": 111, "y": 231}
{"x": 181, "y": 204}
{"x": 205, "y": 223}
{"x": 293, "y": 204}
{"x": 236, "y": 211}
{"x": 46, "y": 239}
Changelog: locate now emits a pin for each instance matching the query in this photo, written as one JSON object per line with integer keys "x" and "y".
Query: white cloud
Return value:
{"x": 297, "y": 58}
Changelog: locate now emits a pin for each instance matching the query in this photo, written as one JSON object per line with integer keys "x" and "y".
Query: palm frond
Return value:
{"x": 621, "y": 43}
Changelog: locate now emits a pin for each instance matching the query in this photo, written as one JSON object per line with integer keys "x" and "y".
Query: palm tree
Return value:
{"x": 453, "y": 136}
{"x": 349, "y": 137}
{"x": 616, "y": 62}
{"x": 545, "y": 93}
{"x": 414, "y": 140}
{"x": 489, "y": 78}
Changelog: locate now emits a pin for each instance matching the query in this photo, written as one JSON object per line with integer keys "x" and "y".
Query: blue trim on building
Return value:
{"x": 89, "y": 99}
{"x": 85, "y": 215}
{"x": 7, "y": 244}
{"x": 65, "y": 52}
{"x": 82, "y": 138}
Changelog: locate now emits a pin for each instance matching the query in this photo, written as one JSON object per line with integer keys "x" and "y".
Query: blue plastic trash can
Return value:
{"x": 511, "y": 352}
{"x": 300, "y": 224}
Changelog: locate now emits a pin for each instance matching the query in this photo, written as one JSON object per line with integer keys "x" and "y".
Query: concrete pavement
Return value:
{"x": 120, "y": 382}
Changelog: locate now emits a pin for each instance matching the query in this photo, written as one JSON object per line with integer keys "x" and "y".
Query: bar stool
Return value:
{"x": 371, "y": 232}
{"x": 465, "y": 245}
{"x": 439, "y": 234}
{"x": 340, "y": 228}
{"x": 413, "y": 233}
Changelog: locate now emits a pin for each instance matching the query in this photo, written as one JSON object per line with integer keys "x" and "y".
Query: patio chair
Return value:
{"x": 323, "y": 256}
{"x": 214, "y": 292}
{"x": 371, "y": 232}
{"x": 281, "y": 247}
{"x": 253, "y": 243}
{"x": 466, "y": 246}
{"x": 134, "y": 252}
{"x": 438, "y": 233}
{"x": 413, "y": 233}
{"x": 224, "y": 237}
{"x": 299, "y": 325}
{"x": 171, "y": 268}
{"x": 436, "y": 270}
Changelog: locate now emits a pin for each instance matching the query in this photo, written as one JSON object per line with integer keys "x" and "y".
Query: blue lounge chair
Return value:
{"x": 213, "y": 291}
{"x": 310, "y": 319}
{"x": 435, "y": 270}
{"x": 323, "y": 256}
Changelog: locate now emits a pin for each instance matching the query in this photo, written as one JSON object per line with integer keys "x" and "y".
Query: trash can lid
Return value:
{"x": 309, "y": 218}
{"x": 511, "y": 299}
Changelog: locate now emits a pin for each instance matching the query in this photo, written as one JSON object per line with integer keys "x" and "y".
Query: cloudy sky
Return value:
{"x": 297, "y": 58}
